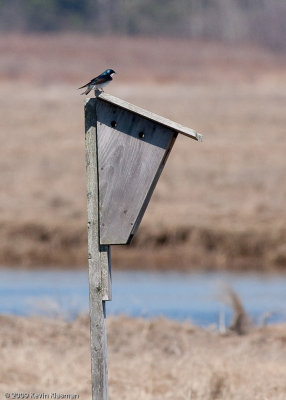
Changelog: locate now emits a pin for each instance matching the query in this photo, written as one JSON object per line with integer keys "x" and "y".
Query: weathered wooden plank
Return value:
{"x": 155, "y": 180}
{"x": 97, "y": 306}
{"x": 191, "y": 133}
{"x": 105, "y": 273}
{"x": 131, "y": 155}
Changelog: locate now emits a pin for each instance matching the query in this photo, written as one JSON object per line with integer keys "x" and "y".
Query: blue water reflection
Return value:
{"x": 195, "y": 297}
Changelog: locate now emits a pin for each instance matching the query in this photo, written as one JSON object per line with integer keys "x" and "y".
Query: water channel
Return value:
{"x": 196, "y": 297}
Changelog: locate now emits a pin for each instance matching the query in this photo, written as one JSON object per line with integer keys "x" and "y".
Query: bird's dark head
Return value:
{"x": 110, "y": 72}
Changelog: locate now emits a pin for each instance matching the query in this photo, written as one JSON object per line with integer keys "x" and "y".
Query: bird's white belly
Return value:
{"x": 102, "y": 85}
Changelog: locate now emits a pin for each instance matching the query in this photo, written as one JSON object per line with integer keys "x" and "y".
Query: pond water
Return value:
{"x": 194, "y": 297}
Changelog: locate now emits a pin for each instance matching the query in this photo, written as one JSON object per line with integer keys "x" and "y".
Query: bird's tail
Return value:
{"x": 83, "y": 86}
{"x": 87, "y": 90}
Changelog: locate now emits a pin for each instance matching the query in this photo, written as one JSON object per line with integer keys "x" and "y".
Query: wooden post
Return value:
{"x": 126, "y": 150}
{"x": 98, "y": 262}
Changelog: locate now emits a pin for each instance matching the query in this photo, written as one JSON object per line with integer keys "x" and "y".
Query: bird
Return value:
{"x": 99, "y": 82}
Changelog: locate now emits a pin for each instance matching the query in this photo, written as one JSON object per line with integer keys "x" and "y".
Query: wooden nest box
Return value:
{"x": 132, "y": 148}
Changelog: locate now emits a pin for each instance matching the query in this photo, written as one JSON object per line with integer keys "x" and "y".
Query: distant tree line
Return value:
{"x": 261, "y": 21}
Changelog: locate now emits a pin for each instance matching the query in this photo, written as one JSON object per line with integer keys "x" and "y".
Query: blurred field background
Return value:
{"x": 218, "y": 205}
{"x": 148, "y": 360}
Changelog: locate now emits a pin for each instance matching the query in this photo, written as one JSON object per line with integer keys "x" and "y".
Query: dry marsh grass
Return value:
{"x": 219, "y": 204}
{"x": 157, "y": 359}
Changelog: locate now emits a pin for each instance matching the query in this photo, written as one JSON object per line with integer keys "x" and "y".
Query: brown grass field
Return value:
{"x": 148, "y": 360}
{"x": 219, "y": 204}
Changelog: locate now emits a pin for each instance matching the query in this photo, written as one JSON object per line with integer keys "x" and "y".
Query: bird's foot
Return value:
{"x": 97, "y": 92}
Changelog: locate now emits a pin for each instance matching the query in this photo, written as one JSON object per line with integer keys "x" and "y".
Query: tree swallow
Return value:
{"x": 99, "y": 82}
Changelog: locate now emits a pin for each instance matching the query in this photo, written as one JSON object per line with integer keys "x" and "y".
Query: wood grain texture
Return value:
{"x": 155, "y": 180}
{"x": 131, "y": 154}
{"x": 105, "y": 273}
{"x": 97, "y": 306}
{"x": 191, "y": 133}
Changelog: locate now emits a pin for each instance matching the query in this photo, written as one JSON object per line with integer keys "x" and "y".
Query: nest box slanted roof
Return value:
{"x": 191, "y": 133}
{"x": 132, "y": 148}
